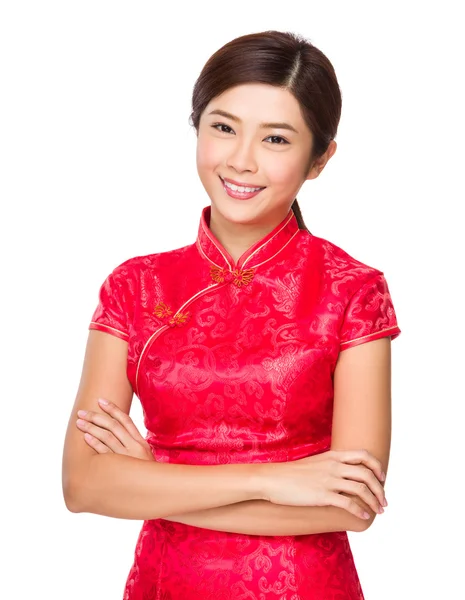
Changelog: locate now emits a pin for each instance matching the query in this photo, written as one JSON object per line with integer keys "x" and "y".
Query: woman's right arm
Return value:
{"x": 124, "y": 487}
{"x": 117, "y": 485}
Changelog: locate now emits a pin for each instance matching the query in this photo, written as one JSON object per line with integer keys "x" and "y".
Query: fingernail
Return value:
{"x": 381, "y": 510}
{"x": 102, "y": 401}
{"x": 385, "y": 502}
{"x": 82, "y": 413}
{"x": 383, "y": 476}
{"x": 366, "y": 515}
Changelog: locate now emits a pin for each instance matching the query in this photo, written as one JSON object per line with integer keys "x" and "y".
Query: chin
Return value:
{"x": 237, "y": 212}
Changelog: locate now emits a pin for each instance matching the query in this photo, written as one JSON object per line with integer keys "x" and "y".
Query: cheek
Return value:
{"x": 207, "y": 154}
{"x": 283, "y": 171}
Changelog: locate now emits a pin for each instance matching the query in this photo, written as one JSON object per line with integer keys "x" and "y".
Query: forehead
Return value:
{"x": 259, "y": 102}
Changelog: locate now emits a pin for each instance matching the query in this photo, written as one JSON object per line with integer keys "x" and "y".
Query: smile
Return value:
{"x": 240, "y": 192}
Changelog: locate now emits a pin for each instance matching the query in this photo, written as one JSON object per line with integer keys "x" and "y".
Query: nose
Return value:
{"x": 242, "y": 158}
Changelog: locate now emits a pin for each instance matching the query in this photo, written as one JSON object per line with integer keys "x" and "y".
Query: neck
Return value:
{"x": 237, "y": 238}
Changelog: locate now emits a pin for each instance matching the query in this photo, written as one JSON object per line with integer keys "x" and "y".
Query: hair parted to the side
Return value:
{"x": 283, "y": 59}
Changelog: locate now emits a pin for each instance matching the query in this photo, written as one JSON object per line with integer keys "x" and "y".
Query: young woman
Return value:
{"x": 260, "y": 354}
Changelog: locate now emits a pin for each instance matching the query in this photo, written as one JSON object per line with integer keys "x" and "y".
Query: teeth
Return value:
{"x": 238, "y": 188}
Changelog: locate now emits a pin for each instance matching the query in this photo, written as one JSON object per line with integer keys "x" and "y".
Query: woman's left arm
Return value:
{"x": 259, "y": 517}
{"x": 361, "y": 419}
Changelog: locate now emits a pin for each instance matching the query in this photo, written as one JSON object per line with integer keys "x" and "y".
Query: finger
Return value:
{"x": 122, "y": 418}
{"x": 96, "y": 444}
{"x": 357, "y": 488}
{"x": 102, "y": 434}
{"x": 106, "y": 422}
{"x": 360, "y": 473}
{"x": 355, "y": 457}
{"x": 347, "y": 504}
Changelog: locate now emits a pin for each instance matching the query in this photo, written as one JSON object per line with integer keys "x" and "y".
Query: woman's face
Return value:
{"x": 240, "y": 147}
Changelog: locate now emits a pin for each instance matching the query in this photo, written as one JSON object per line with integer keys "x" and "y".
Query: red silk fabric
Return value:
{"x": 233, "y": 363}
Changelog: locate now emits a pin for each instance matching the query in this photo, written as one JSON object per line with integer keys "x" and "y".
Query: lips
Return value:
{"x": 237, "y": 195}
{"x": 241, "y": 184}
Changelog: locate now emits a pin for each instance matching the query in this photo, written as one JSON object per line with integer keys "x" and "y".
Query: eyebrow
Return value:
{"x": 223, "y": 113}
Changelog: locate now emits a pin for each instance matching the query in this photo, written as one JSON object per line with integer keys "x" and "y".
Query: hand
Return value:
{"x": 317, "y": 480}
{"x": 113, "y": 432}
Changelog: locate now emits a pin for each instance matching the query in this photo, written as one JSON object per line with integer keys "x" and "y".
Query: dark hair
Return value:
{"x": 283, "y": 59}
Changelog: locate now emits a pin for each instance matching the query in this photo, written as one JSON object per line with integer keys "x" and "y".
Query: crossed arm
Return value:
{"x": 361, "y": 419}
{"x": 259, "y": 517}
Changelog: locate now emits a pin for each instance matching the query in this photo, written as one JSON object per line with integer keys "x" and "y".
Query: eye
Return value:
{"x": 276, "y": 137}
{"x": 216, "y": 125}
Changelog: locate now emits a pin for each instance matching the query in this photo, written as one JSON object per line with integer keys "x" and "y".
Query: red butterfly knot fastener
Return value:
{"x": 238, "y": 277}
{"x": 243, "y": 277}
{"x": 179, "y": 319}
{"x": 164, "y": 312}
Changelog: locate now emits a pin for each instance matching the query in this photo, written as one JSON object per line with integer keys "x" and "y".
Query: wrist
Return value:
{"x": 258, "y": 478}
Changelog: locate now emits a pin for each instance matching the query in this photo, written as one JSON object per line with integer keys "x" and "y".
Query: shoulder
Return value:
{"x": 341, "y": 271}
{"x": 130, "y": 282}
{"x": 135, "y": 267}
{"x": 356, "y": 292}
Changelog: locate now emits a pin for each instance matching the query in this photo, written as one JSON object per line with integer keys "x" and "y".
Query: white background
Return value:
{"x": 98, "y": 165}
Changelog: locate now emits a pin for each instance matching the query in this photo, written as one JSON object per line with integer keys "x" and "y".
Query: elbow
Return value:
{"x": 72, "y": 495}
{"x": 71, "y": 499}
{"x": 74, "y": 491}
{"x": 76, "y": 487}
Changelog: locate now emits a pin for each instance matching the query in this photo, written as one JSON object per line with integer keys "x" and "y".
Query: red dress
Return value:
{"x": 233, "y": 363}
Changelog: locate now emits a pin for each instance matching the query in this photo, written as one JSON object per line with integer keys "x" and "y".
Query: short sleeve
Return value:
{"x": 111, "y": 315}
{"x": 370, "y": 314}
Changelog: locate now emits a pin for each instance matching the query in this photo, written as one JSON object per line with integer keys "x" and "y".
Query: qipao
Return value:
{"x": 233, "y": 363}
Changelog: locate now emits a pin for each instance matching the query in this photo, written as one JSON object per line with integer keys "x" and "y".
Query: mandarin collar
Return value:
{"x": 259, "y": 253}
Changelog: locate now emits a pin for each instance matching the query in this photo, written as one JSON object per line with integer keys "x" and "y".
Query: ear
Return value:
{"x": 319, "y": 164}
